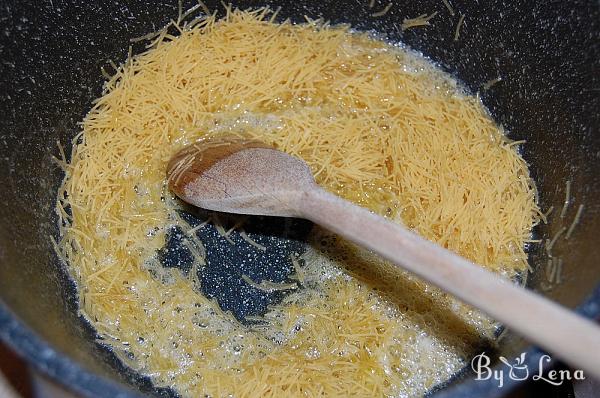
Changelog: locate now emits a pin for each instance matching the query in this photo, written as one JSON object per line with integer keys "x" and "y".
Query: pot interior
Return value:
{"x": 547, "y": 55}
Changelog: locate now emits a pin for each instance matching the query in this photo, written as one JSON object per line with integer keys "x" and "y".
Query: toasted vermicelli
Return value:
{"x": 377, "y": 124}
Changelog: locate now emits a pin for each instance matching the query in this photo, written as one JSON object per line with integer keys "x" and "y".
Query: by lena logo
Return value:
{"x": 519, "y": 370}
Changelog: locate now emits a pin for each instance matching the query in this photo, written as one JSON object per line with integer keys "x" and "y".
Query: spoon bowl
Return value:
{"x": 236, "y": 175}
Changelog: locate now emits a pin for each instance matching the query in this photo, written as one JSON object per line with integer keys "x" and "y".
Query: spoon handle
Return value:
{"x": 571, "y": 337}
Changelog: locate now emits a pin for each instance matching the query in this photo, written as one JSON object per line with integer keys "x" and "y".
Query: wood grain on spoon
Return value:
{"x": 234, "y": 175}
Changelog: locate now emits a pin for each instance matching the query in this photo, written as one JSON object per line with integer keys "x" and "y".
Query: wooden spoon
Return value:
{"x": 236, "y": 175}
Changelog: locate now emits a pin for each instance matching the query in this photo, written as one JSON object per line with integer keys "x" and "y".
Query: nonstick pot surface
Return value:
{"x": 51, "y": 52}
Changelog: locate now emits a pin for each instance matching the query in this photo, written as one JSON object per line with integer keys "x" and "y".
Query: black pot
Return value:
{"x": 547, "y": 53}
